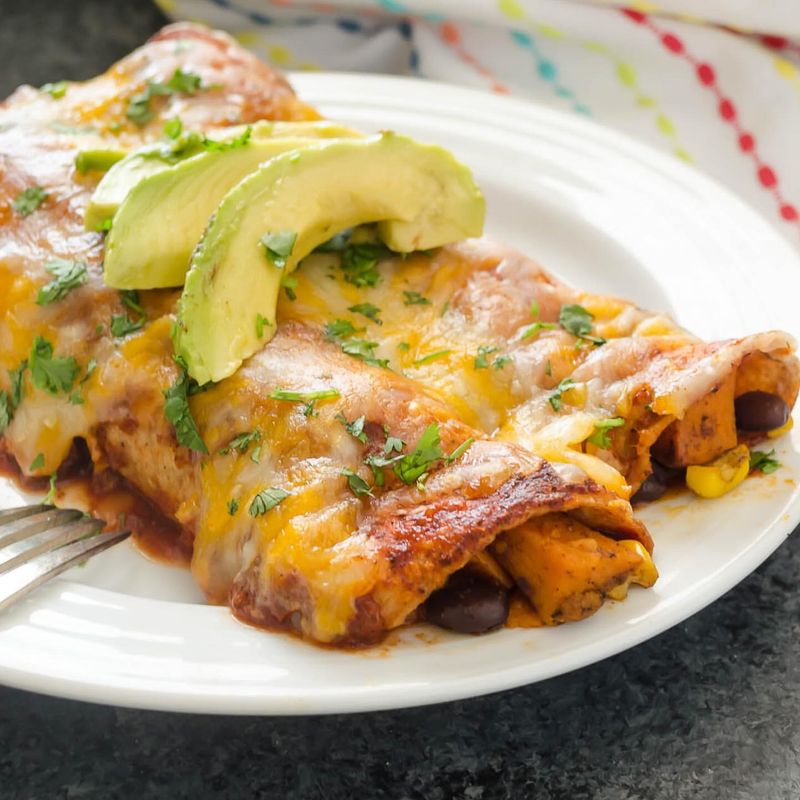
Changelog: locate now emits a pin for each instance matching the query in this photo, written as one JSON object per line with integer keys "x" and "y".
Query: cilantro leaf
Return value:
{"x": 460, "y": 450}
{"x": 360, "y": 348}
{"x": 358, "y": 486}
{"x": 534, "y": 309}
{"x": 359, "y": 262}
{"x": 56, "y": 90}
{"x": 266, "y": 500}
{"x": 177, "y": 411}
{"x": 600, "y": 437}
{"x": 67, "y": 275}
{"x": 122, "y": 325}
{"x": 412, "y": 466}
{"x": 393, "y": 445}
{"x": 501, "y": 361}
{"x": 6, "y": 413}
{"x": 303, "y": 397}
{"x": 354, "y": 428}
{"x": 139, "y": 111}
{"x": 51, "y": 374}
{"x": 278, "y": 246}
{"x": 340, "y": 329}
{"x": 130, "y": 298}
{"x": 173, "y": 128}
{"x": 27, "y": 201}
{"x": 184, "y": 82}
{"x": 17, "y": 386}
{"x": 765, "y": 462}
{"x": 415, "y": 299}
{"x": 232, "y": 144}
{"x": 289, "y": 285}
{"x": 233, "y": 506}
{"x": 577, "y": 320}
{"x": 367, "y": 310}
{"x": 435, "y": 356}
{"x": 51, "y": 492}
{"x": 37, "y": 463}
{"x": 555, "y": 397}
{"x": 481, "y": 361}
{"x": 261, "y": 321}
{"x": 242, "y": 442}
{"x": 532, "y": 330}
{"x": 335, "y": 244}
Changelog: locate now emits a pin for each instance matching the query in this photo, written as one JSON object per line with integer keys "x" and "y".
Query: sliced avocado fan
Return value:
{"x": 419, "y": 195}
{"x": 151, "y": 159}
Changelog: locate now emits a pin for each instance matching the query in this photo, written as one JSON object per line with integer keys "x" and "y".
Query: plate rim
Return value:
{"x": 746, "y": 561}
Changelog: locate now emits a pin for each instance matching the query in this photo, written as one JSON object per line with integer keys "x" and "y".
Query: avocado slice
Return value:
{"x": 153, "y": 158}
{"x": 173, "y": 207}
{"x": 419, "y": 195}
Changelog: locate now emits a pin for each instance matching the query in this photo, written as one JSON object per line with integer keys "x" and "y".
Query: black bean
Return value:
{"x": 760, "y": 411}
{"x": 656, "y": 483}
{"x": 467, "y": 604}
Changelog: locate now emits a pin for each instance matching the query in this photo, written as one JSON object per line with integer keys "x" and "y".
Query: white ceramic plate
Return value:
{"x": 603, "y": 212}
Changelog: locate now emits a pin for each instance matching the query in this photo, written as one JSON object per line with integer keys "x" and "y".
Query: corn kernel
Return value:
{"x": 721, "y": 475}
{"x": 785, "y": 428}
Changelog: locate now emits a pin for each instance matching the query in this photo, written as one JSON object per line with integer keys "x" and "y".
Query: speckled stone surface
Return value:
{"x": 709, "y": 710}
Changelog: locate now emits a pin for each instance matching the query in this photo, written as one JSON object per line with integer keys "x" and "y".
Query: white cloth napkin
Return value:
{"x": 722, "y": 92}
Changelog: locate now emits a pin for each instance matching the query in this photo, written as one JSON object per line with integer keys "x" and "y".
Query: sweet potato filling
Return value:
{"x": 566, "y": 569}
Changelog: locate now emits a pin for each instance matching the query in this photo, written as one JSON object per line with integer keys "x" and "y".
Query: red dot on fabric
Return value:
{"x": 777, "y": 42}
{"x": 672, "y": 43}
{"x": 706, "y": 74}
{"x": 767, "y": 177}
{"x": 636, "y": 16}
{"x": 746, "y": 142}
{"x": 726, "y": 109}
{"x": 450, "y": 32}
{"x": 789, "y": 213}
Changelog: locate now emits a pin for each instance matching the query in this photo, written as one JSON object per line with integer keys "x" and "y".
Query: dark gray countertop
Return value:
{"x": 710, "y": 709}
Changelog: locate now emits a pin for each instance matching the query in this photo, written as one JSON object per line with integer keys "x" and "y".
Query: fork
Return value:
{"x": 39, "y": 542}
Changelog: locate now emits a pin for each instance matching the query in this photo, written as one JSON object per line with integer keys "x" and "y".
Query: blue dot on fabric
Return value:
{"x": 521, "y": 38}
{"x": 260, "y": 19}
{"x": 413, "y": 59}
{"x": 405, "y": 29}
{"x": 547, "y": 69}
{"x": 349, "y": 25}
{"x": 582, "y": 109}
{"x": 562, "y": 91}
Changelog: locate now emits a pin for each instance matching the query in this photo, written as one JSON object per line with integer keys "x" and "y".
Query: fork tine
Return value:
{"x": 36, "y": 523}
{"x": 18, "y": 582}
{"x": 25, "y": 549}
{"x": 10, "y": 514}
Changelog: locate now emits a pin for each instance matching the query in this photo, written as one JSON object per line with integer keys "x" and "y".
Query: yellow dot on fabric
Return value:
{"x": 279, "y": 54}
{"x": 645, "y": 101}
{"x": 511, "y": 8}
{"x": 550, "y": 32}
{"x": 665, "y": 125}
{"x": 596, "y": 47}
{"x": 168, "y": 5}
{"x": 683, "y": 155}
{"x": 246, "y": 38}
{"x": 308, "y": 66}
{"x": 690, "y": 18}
{"x": 786, "y": 69}
{"x": 626, "y": 74}
{"x": 645, "y": 6}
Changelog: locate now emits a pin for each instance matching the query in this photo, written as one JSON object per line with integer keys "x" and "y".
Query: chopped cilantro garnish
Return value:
{"x": 335, "y": 244}
{"x": 266, "y": 500}
{"x": 242, "y": 442}
{"x": 6, "y": 413}
{"x": 340, "y": 329}
{"x": 173, "y": 128}
{"x": 177, "y": 411}
{"x": 393, "y": 445}
{"x": 555, "y": 396}
{"x": 130, "y": 298}
{"x": 358, "y": 486}
{"x": 359, "y": 262}
{"x": 534, "y": 309}
{"x": 360, "y": 348}
{"x": 460, "y": 450}
{"x": 17, "y": 386}
{"x": 577, "y": 320}
{"x": 764, "y": 462}
{"x": 532, "y": 330}
{"x": 139, "y": 110}
{"x": 404, "y": 346}
{"x": 309, "y": 409}
{"x": 278, "y": 246}
{"x": 51, "y": 374}
{"x": 233, "y": 506}
{"x": 51, "y": 492}
{"x": 75, "y": 399}
{"x": 445, "y": 308}
{"x": 56, "y": 90}
{"x": 232, "y": 144}
{"x": 27, "y": 201}
{"x": 289, "y": 285}
{"x": 481, "y": 360}
{"x": 435, "y": 356}
{"x": 37, "y": 463}
{"x": 90, "y": 368}
{"x": 548, "y": 369}
{"x": 304, "y": 397}
{"x": 67, "y": 275}
{"x": 600, "y": 437}
{"x": 367, "y": 310}
{"x": 105, "y": 225}
{"x": 413, "y": 466}
{"x": 415, "y": 299}
{"x": 501, "y": 361}
{"x": 122, "y": 325}
{"x": 255, "y": 456}
{"x": 261, "y": 321}
{"x": 354, "y": 428}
